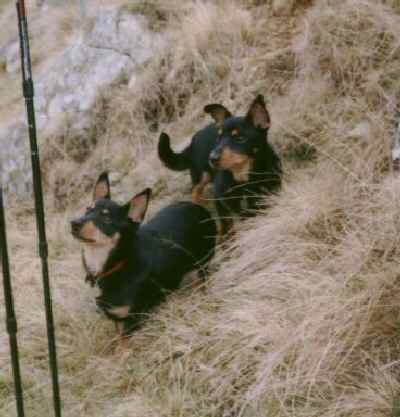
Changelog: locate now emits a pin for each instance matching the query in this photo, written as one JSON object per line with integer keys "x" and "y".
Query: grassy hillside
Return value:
{"x": 49, "y": 33}
{"x": 301, "y": 316}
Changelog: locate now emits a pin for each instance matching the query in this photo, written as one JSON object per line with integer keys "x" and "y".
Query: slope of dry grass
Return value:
{"x": 49, "y": 33}
{"x": 301, "y": 316}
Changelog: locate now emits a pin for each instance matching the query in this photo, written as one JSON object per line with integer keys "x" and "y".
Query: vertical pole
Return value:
{"x": 11, "y": 321}
{"x": 27, "y": 85}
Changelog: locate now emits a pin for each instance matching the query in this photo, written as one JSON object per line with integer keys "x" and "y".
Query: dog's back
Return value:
{"x": 203, "y": 142}
{"x": 194, "y": 157}
{"x": 180, "y": 238}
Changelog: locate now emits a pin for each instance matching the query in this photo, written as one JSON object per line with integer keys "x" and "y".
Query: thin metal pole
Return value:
{"x": 11, "y": 320}
{"x": 27, "y": 85}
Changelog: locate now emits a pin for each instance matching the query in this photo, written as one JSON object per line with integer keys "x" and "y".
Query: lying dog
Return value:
{"x": 234, "y": 154}
{"x": 135, "y": 265}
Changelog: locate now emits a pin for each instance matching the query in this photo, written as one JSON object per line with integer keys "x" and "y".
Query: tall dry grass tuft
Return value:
{"x": 301, "y": 316}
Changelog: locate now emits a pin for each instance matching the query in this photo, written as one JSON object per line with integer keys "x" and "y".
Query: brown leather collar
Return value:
{"x": 118, "y": 266}
{"x": 93, "y": 278}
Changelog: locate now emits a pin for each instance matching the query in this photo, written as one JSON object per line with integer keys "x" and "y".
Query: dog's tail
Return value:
{"x": 172, "y": 160}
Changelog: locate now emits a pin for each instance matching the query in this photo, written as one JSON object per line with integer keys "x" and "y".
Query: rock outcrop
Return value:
{"x": 67, "y": 85}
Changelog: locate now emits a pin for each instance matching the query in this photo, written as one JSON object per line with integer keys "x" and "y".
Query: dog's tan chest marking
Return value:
{"x": 197, "y": 192}
{"x": 95, "y": 258}
{"x": 96, "y": 254}
{"x": 122, "y": 312}
{"x": 242, "y": 172}
{"x": 239, "y": 164}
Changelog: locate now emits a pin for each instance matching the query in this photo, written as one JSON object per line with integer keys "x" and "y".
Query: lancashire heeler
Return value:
{"x": 235, "y": 155}
{"x": 135, "y": 265}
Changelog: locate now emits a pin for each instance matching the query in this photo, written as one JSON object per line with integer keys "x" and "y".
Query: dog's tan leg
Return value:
{"x": 197, "y": 191}
{"x": 226, "y": 230}
{"x": 123, "y": 345}
{"x": 123, "y": 341}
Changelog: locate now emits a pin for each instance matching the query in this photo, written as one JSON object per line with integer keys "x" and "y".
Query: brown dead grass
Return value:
{"x": 49, "y": 32}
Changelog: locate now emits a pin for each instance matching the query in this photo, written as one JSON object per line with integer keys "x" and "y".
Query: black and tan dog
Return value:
{"x": 234, "y": 154}
{"x": 136, "y": 265}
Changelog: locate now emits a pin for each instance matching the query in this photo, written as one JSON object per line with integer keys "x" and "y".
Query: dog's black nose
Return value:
{"x": 75, "y": 226}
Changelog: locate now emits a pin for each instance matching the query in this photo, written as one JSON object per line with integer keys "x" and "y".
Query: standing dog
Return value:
{"x": 234, "y": 154}
{"x": 133, "y": 264}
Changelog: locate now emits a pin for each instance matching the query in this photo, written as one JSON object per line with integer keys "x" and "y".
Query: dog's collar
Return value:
{"x": 117, "y": 267}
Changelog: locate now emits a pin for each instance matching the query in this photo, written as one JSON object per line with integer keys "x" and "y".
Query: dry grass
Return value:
{"x": 301, "y": 316}
{"x": 49, "y": 33}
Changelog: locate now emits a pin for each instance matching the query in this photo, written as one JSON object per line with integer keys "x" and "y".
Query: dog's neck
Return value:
{"x": 260, "y": 164}
{"x": 100, "y": 260}
{"x": 95, "y": 258}
{"x": 241, "y": 173}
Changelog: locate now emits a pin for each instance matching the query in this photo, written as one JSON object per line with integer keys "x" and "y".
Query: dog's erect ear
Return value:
{"x": 258, "y": 114}
{"x": 218, "y": 112}
{"x": 102, "y": 187}
{"x": 137, "y": 207}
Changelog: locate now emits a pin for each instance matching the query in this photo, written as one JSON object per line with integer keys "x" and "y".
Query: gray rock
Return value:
{"x": 13, "y": 59}
{"x": 15, "y": 159}
{"x": 67, "y": 87}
